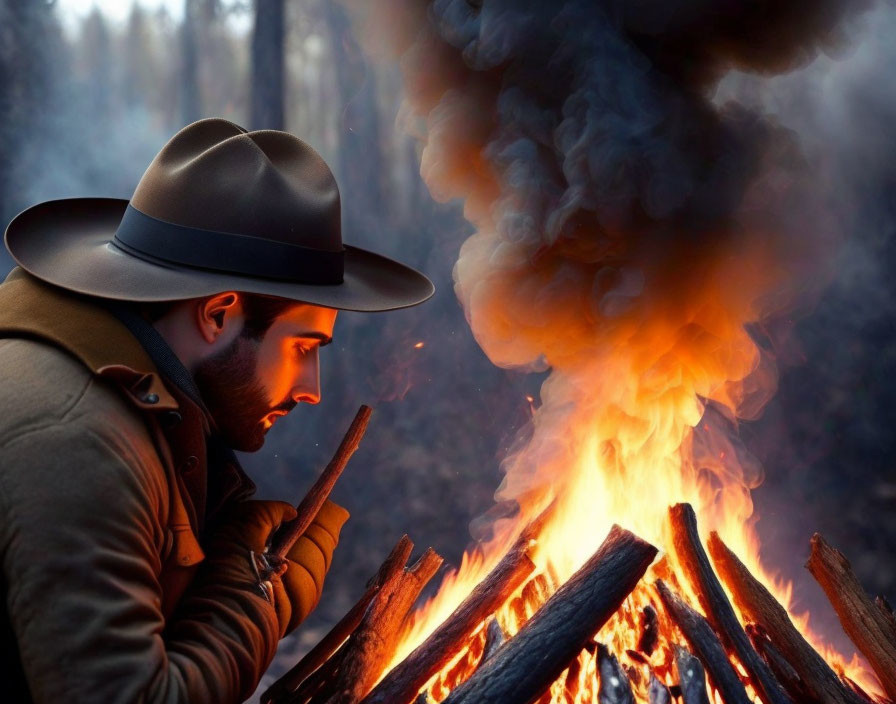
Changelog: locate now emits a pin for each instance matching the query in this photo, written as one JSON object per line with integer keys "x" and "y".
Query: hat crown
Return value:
{"x": 214, "y": 175}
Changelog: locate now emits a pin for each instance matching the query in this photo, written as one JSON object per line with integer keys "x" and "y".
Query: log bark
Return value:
{"x": 715, "y": 604}
{"x": 405, "y": 680}
{"x": 306, "y": 511}
{"x": 524, "y": 668}
{"x": 614, "y": 685}
{"x": 863, "y": 621}
{"x": 691, "y": 677}
{"x": 884, "y": 607}
{"x": 329, "y": 644}
{"x": 375, "y": 641}
{"x": 758, "y": 604}
{"x": 705, "y": 643}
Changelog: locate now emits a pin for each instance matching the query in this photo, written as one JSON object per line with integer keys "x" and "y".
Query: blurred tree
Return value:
{"x": 190, "y": 98}
{"x": 30, "y": 59}
{"x": 266, "y": 88}
{"x": 96, "y": 46}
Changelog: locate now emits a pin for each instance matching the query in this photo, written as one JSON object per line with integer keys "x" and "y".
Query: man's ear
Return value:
{"x": 218, "y": 314}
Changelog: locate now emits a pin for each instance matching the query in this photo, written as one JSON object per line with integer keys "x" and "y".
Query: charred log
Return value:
{"x": 705, "y": 644}
{"x": 657, "y": 692}
{"x": 524, "y": 668}
{"x": 691, "y": 677}
{"x": 650, "y": 630}
{"x": 614, "y": 685}
{"x": 716, "y": 606}
{"x": 758, "y": 604}
{"x": 783, "y": 670}
{"x": 406, "y": 679}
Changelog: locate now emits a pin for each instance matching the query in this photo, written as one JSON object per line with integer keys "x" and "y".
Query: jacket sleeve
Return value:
{"x": 81, "y": 537}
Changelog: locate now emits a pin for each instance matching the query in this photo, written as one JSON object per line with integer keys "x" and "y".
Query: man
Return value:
{"x": 140, "y": 342}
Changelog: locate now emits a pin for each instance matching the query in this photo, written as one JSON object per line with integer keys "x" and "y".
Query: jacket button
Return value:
{"x": 150, "y": 398}
{"x": 189, "y": 464}
{"x": 172, "y": 418}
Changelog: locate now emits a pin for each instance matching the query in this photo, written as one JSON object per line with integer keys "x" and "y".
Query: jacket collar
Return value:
{"x": 31, "y": 308}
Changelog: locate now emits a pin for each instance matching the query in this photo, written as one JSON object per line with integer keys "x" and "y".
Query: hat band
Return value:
{"x": 144, "y": 236}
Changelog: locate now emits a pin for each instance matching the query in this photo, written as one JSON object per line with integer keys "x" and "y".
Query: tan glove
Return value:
{"x": 307, "y": 564}
{"x": 294, "y": 587}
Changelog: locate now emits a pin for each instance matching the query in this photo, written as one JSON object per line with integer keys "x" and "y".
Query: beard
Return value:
{"x": 234, "y": 396}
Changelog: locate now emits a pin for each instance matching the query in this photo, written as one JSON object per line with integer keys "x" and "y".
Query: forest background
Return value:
{"x": 86, "y": 100}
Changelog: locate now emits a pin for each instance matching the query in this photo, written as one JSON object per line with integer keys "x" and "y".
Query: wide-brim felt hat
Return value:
{"x": 219, "y": 209}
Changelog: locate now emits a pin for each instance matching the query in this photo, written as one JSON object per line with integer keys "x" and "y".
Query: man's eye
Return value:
{"x": 302, "y": 349}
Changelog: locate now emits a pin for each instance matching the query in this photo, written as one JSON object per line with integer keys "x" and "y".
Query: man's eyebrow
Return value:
{"x": 324, "y": 339}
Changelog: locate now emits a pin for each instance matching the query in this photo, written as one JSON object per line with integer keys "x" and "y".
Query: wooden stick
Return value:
{"x": 716, "y": 606}
{"x": 758, "y": 604}
{"x": 328, "y": 645}
{"x": 308, "y": 509}
{"x": 706, "y": 645}
{"x": 375, "y": 641}
{"x": 614, "y": 685}
{"x": 405, "y": 680}
{"x": 864, "y": 623}
{"x": 691, "y": 678}
{"x": 524, "y": 668}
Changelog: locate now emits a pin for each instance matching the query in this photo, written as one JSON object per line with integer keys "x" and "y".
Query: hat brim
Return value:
{"x": 68, "y": 243}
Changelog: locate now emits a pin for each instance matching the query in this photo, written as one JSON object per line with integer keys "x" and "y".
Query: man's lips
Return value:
{"x": 271, "y": 417}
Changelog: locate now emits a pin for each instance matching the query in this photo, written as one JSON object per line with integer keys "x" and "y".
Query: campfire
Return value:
{"x": 641, "y": 241}
{"x": 624, "y": 627}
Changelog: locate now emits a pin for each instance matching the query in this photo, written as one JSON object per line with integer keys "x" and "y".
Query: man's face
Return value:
{"x": 251, "y": 383}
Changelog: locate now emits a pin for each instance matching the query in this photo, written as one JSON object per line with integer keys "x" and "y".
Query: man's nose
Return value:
{"x": 306, "y": 388}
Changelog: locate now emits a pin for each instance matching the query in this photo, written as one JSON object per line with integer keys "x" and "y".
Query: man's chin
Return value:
{"x": 248, "y": 442}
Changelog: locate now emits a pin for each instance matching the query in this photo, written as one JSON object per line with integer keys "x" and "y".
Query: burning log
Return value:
{"x": 289, "y": 532}
{"x": 705, "y": 643}
{"x": 691, "y": 677}
{"x": 864, "y": 622}
{"x": 783, "y": 670}
{"x": 328, "y": 645}
{"x": 524, "y": 668}
{"x": 657, "y": 692}
{"x": 614, "y": 685}
{"x": 373, "y": 644}
{"x": 757, "y": 603}
{"x": 405, "y": 680}
{"x": 716, "y": 606}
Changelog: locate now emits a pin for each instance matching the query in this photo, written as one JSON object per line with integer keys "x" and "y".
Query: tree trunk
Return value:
{"x": 190, "y": 100}
{"x": 266, "y": 89}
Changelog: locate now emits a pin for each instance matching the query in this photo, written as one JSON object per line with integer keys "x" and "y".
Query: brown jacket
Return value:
{"x": 104, "y": 494}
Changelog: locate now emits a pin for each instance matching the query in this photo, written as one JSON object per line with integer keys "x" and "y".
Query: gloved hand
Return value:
{"x": 295, "y": 586}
